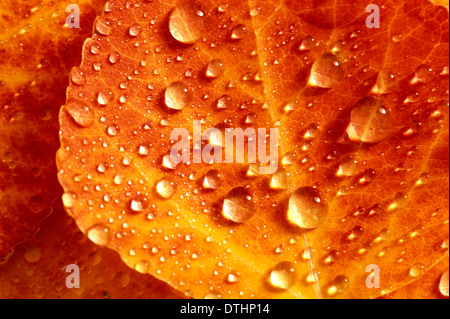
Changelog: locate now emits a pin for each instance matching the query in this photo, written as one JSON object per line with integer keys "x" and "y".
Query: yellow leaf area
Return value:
{"x": 37, "y": 54}
{"x": 362, "y": 115}
{"x": 38, "y": 268}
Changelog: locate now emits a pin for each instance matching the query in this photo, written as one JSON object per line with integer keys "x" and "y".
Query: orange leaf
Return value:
{"x": 38, "y": 268}
{"x": 37, "y": 54}
{"x": 363, "y": 135}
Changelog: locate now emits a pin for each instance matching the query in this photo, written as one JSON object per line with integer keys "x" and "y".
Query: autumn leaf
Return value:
{"x": 38, "y": 268}
{"x": 37, "y": 52}
{"x": 363, "y": 133}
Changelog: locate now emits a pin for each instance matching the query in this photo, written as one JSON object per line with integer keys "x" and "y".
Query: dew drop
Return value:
{"x": 137, "y": 206}
{"x": 114, "y": 57}
{"x": 307, "y": 44}
{"x": 370, "y": 121}
{"x": 99, "y": 234}
{"x": 279, "y": 180}
{"x": 239, "y": 32}
{"x": 104, "y": 97}
{"x": 424, "y": 74}
{"x": 178, "y": 96}
{"x": 326, "y": 71}
{"x": 386, "y": 83}
{"x": 349, "y": 167}
{"x": 224, "y": 102}
{"x": 417, "y": 270}
{"x": 307, "y": 209}
{"x": 238, "y": 206}
{"x": 165, "y": 188}
{"x": 113, "y": 130}
{"x": 338, "y": 285}
{"x": 232, "y": 278}
{"x": 142, "y": 267}
{"x": 443, "y": 284}
{"x": 103, "y": 26}
{"x": 212, "y": 180}
{"x": 135, "y": 30}
{"x": 69, "y": 200}
{"x": 82, "y": 115}
{"x": 214, "y": 69}
{"x": 78, "y": 77}
{"x": 187, "y": 22}
{"x": 283, "y": 275}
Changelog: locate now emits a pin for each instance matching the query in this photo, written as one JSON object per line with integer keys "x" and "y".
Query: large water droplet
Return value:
{"x": 103, "y": 26}
{"x": 82, "y": 115}
{"x": 307, "y": 209}
{"x": 238, "y": 206}
{"x": 187, "y": 22}
{"x": 326, "y": 71}
{"x": 78, "y": 77}
{"x": 417, "y": 270}
{"x": 178, "y": 96}
{"x": 33, "y": 255}
{"x": 99, "y": 234}
{"x": 370, "y": 121}
{"x": 104, "y": 97}
{"x": 279, "y": 180}
{"x": 283, "y": 275}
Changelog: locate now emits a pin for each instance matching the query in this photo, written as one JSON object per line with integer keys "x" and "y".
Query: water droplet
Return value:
{"x": 113, "y": 130}
{"x": 307, "y": 44}
{"x": 443, "y": 284}
{"x": 95, "y": 49}
{"x": 143, "y": 151}
{"x": 142, "y": 267}
{"x": 386, "y": 83}
{"x": 114, "y": 57}
{"x": 212, "y": 180}
{"x": 135, "y": 30}
{"x": 78, "y": 77}
{"x": 215, "y": 69}
{"x": 33, "y": 255}
{"x": 338, "y": 285}
{"x": 307, "y": 209}
{"x": 121, "y": 279}
{"x": 103, "y": 26}
{"x": 82, "y": 115}
{"x": 224, "y": 102}
{"x": 349, "y": 167}
{"x": 283, "y": 275}
{"x": 104, "y": 97}
{"x": 168, "y": 163}
{"x": 137, "y": 206}
{"x": 417, "y": 270}
{"x": 370, "y": 121}
{"x": 239, "y": 32}
{"x": 165, "y": 188}
{"x": 187, "y": 22}
{"x": 326, "y": 71}
{"x": 238, "y": 206}
{"x": 178, "y": 96}
{"x": 69, "y": 200}
{"x": 279, "y": 180}
{"x": 424, "y": 74}
{"x": 232, "y": 278}
{"x": 99, "y": 234}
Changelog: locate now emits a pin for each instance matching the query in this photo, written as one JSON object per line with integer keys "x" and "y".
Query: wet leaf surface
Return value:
{"x": 363, "y": 120}
{"x": 37, "y": 54}
{"x": 38, "y": 268}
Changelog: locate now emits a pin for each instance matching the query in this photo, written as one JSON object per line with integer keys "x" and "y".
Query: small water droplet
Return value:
{"x": 283, "y": 275}
{"x": 224, "y": 102}
{"x": 239, "y": 32}
{"x": 370, "y": 121}
{"x": 326, "y": 71}
{"x": 232, "y": 278}
{"x": 307, "y": 209}
{"x": 238, "y": 206}
{"x": 279, "y": 180}
{"x": 307, "y": 44}
{"x": 113, "y": 130}
{"x": 338, "y": 285}
{"x": 99, "y": 234}
{"x": 349, "y": 167}
{"x": 386, "y": 83}
{"x": 417, "y": 270}
{"x": 104, "y": 97}
{"x": 142, "y": 267}
{"x": 214, "y": 69}
{"x": 212, "y": 180}
{"x": 114, "y": 57}
{"x": 78, "y": 76}
{"x": 135, "y": 30}
{"x": 137, "y": 206}
{"x": 178, "y": 96}
{"x": 69, "y": 200}
{"x": 103, "y": 26}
